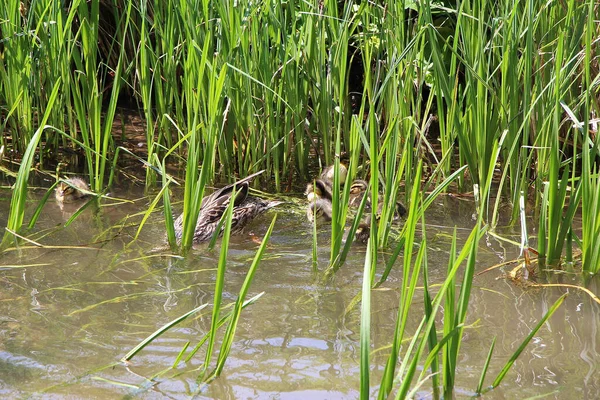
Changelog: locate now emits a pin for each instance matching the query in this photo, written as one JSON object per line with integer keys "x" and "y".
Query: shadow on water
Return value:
{"x": 65, "y": 312}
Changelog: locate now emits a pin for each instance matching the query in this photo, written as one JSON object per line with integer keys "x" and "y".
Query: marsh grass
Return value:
{"x": 217, "y": 319}
{"x": 19, "y": 195}
{"x": 477, "y": 91}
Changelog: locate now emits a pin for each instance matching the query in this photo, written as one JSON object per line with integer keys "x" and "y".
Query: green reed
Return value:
{"x": 590, "y": 178}
{"x": 217, "y": 319}
{"x": 365, "y": 324}
{"x": 425, "y": 347}
{"x": 219, "y": 283}
{"x": 17, "y": 205}
{"x": 265, "y": 85}
{"x": 18, "y": 34}
{"x": 288, "y": 84}
{"x": 231, "y": 328}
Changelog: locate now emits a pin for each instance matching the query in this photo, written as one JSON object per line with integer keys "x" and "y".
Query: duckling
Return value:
{"x": 363, "y": 231}
{"x": 358, "y": 189}
{"x": 328, "y": 173}
{"x": 319, "y": 210}
{"x": 320, "y": 189}
{"x": 399, "y": 211}
{"x": 71, "y": 190}
{"x": 212, "y": 208}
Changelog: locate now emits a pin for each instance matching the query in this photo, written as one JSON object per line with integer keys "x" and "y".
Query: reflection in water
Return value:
{"x": 76, "y": 309}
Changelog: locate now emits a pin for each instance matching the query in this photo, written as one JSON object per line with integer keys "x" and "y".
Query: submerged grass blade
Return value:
{"x": 159, "y": 332}
{"x": 525, "y": 342}
{"x": 237, "y": 309}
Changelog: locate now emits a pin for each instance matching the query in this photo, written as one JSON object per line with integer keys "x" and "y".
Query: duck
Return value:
{"x": 359, "y": 188}
{"x": 319, "y": 189}
{"x": 363, "y": 231}
{"x": 71, "y": 190}
{"x": 329, "y": 172}
{"x": 214, "y": 206}
{"x": 399, "y": 210}
{"x": 319, "y": 210}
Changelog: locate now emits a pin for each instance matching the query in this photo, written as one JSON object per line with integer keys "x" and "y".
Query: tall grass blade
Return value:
{"x": 485, "y": 366}
{"x": 365, "y": 326}
{"x": 219, "y": 282}
{"x": 231, "y": 328}
{"x": 19, "y": 195}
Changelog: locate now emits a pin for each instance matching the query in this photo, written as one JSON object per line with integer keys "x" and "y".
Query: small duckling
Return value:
{"x": 71, "y": 190}
{"x": 399, "y": 211}
{"x": 363, "y": 231}
{"x": 358, "y": 189}
{"x": 329, "y": 172}
{"x": 319, "y": 210}
{"x": 320, "y": 190}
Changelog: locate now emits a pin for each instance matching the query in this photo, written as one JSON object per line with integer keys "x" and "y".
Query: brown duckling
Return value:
{"x": 363, "y": 231}
{"x": 329, "y": 172}
{"x": 320, "y": 189}
{"x": 358, "y": 189}
{"x": 399, "y": 211}
{"x": 319, "y": 210}
{"x": 71, "y": 190}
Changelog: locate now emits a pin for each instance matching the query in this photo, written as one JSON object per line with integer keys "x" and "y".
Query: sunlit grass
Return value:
{"x": 496, "y": 95}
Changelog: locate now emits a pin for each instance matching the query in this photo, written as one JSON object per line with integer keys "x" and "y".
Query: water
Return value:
{"x": 69, "y": 312}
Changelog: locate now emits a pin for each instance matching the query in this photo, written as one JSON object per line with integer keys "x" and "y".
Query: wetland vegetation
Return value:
{"x": 456, "y": 140}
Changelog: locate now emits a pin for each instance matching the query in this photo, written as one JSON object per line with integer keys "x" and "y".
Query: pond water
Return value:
{"x": 70, "y": 311}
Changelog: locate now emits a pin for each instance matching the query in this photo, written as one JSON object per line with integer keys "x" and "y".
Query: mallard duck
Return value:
{"x": 212, "y": 208}
{"x": 320, "y": 189}
{"x": 320, "y": 210}
{"x": 71, "y": 190}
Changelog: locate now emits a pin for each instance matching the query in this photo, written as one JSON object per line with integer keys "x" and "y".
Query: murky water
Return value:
{"x": 71, "y": 311}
